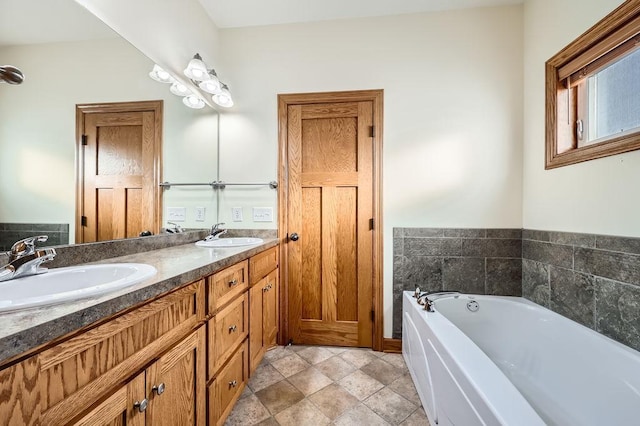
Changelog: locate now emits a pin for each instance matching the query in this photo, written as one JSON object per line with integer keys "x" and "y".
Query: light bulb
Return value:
{"x": 179, "y": 89}
{"x": 158, "y": 74}
{"x": 193, "y": 101}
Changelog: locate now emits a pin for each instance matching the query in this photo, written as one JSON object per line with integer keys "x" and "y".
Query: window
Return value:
{"x": 593, "y": 91}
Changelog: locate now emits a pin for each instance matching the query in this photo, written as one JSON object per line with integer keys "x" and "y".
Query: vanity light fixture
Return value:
{"x": 223, "y": 98}
{"x": 197, "y": 69}
{"x": 158, "y": 74}
{"x": 211, "y": 85}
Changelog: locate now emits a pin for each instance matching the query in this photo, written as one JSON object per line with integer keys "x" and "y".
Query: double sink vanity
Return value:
{"x": 175, "y": 347}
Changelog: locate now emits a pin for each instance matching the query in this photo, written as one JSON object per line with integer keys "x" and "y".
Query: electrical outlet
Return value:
{"x": 263, "y": 214}
{"x": 177, "y": 214}
{"x": 236, "y": 214}
{"x": 200, "y": 214}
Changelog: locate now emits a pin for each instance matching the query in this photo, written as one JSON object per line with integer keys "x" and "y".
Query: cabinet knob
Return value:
{"x": 158, "y": 389}
{"x": 233, "y": 328}
{"x": 233, "y": 384}
{"x": 233, "y": 282}
{"x": 294, "y": 236}
{"x": 141, "y": 405}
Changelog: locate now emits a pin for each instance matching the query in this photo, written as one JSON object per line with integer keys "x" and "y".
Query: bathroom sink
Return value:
{"x": 71, "y": 283}
{"x": 229, "y": 242}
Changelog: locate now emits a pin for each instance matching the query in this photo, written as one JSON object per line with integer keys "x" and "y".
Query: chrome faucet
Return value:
{"x": 216, "y": 231}
{"x": 424, "y": 300}
{"x": 177, "y": 229}
{"x": 25, "y": 259}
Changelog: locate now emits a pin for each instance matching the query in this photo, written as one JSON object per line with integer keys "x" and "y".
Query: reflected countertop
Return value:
{"x": 24, "y": 330}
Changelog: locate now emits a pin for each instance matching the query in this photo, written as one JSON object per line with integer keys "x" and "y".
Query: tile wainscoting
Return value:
{"x": 591, "y": 279}
{"x": 479, "y": 261}
{"x": 11, "y": 232}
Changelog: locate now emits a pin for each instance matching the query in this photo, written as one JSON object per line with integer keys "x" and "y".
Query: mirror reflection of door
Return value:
{"x": 118, "y": 156}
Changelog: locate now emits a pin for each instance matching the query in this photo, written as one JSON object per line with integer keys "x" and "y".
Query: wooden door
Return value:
{"x": 330, "y": 209}
{"x": 176, "y": 384}
{"x": 120, "y": 408}
{"x": 119, "y": 194}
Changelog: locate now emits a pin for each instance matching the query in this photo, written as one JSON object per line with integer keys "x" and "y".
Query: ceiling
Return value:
{"x": 243, "y": 13}
{"x": 48, "y": 21}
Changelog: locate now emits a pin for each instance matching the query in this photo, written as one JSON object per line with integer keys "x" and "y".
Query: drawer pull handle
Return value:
{"x": 158, "y": 389}
{"x": 233, "y": 384}
{"x": 233, "y": 328}
{"x": 141, "y": 405}
{"x": 233, "y": 282}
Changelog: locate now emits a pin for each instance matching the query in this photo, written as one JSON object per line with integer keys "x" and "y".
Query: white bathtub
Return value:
{"x": 513, "y": 362}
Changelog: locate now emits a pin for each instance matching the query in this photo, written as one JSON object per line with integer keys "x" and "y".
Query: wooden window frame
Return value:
{"x": 578, "y": 60}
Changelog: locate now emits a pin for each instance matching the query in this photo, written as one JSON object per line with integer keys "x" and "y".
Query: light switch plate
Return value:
{"x": 263, "y": 214}
{"x": 177, "y": 214}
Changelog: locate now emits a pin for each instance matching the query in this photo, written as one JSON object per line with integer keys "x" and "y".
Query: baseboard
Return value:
{"x": 393, "y": 346}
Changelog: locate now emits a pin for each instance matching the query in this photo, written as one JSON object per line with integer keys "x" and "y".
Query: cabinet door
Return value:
{"x": 121, "y": 408}
{"x": 256, "y": 344}
{"x": 176, "y": 384}
{"x": 270, "y": 310}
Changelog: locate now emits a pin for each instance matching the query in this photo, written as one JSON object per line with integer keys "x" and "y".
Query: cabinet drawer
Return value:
{"x": 263, "y": 263}
{"x": 226, "y": 330}
{"x": 224, "y": 391}
{"x": 76, "y": 372}
{"x": 223, "y": 286}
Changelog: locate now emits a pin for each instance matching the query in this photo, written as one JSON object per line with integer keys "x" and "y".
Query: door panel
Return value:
{"x": 330, "y": 164}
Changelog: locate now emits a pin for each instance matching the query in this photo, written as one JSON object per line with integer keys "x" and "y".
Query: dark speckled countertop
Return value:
{"x": 24, "y": 330}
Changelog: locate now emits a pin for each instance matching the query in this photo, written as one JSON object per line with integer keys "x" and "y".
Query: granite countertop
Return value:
{"x": 23, "y": 330}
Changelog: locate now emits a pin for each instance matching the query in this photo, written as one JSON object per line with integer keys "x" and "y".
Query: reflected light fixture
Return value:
{"x": 193, "y": 101}
{"x": 10, "y": 74}
{"x": 180, "y": 89}
{"x": 224, "y": 97}
{"x": 158, "y": 74}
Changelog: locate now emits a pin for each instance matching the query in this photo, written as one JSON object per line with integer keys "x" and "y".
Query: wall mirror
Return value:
{"x": 70, "y": 57}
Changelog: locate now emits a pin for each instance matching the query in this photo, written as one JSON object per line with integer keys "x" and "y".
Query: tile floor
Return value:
{"x": 314, "y": 385}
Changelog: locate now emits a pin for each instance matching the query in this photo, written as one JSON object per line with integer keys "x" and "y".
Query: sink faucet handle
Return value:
{"x": 27, "y": 245}
{"x": 216, "y": 227}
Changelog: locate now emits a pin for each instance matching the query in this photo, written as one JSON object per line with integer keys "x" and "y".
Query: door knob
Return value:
{"x": 294, "y": 237}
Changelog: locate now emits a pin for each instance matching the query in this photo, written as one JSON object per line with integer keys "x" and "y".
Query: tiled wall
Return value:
{"x": 12, "y": 232}
{"x": 480, "y": 261}
{"x": 592, "y": 279}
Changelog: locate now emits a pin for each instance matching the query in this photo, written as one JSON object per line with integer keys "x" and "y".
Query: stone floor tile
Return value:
{"x": 247, "y": 411}
{"x": 290, "y": 365}
{"x": 417, "y": 418}
{"x": 378, "y": 354}
{"x": 335, "y": 368}
{"x": 276, "y": 353}
{"x": 315, "y": 354}
{"x": 358, "y": 357}
{"x": 269, "y": 422}
{"x": 309, "y": 381}
{"x": 360, "y": 415}
{"x": 264, "y": 376}
{"x": 404, "y": 387}
{"x": 390, "y": 406}
{"x": 279, "y": 396}
{"x": 360, "y": 384}
{"x": 302, "y": 413}
{"x": 397, "y": 360}
{"x": 382, "y": 371}
{"x": 333, "y": 400}
{"x": 336, "y": 349}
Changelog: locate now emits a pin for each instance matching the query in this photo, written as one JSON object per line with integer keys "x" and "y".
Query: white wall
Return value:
{"x": 37, "y": 127}
{"x": 598, "y": 196}
{"x": 452, "y": 109}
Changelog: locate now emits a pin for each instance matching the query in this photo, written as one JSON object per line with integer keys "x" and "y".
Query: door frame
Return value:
{"x": 284, "y": 100}
{"x": 114, "y": 107}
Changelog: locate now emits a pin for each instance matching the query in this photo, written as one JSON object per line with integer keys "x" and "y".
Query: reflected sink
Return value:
{"x": 229, "y": 242}
{"x": 71, "y": 283}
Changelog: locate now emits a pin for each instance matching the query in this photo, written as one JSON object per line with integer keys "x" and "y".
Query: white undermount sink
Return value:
{"x": 229, "y": 242}
{"x": 71, "y": 283}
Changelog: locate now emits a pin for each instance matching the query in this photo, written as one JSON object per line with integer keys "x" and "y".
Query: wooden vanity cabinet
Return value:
{"x": 263, "y": 304}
